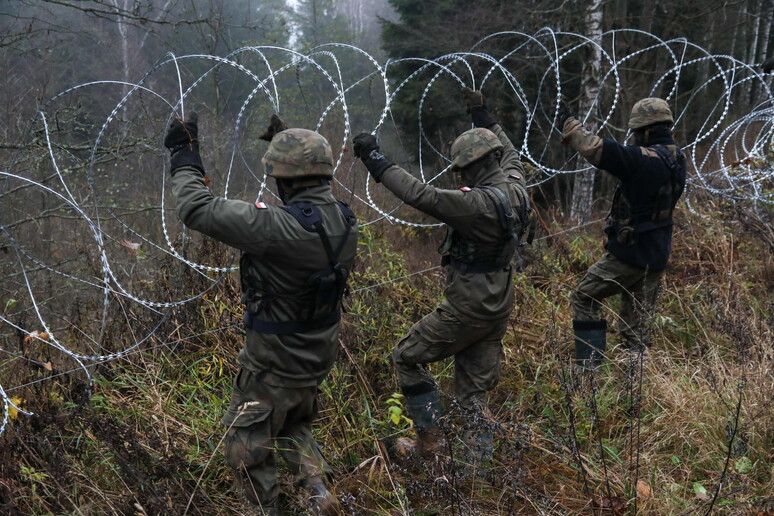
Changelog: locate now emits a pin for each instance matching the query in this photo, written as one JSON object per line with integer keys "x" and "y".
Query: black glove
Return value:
{"x": 182, "y": 140}
{"x": 474, "y": 104}
{"x": 366, "y": 148}
{"x": 768, "y": 65}
{"x": 472, "y": 99}
{"x": 562, "y": 114}
{"x": 276, "y": 125}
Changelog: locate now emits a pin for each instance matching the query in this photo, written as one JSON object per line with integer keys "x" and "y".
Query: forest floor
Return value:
{"x": 686, "y": 428}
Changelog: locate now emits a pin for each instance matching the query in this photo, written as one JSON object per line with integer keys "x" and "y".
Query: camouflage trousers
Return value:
{"x": 476, "y": 346}
{"x": 261, "y": 417}
{"x": 638, "y": 289}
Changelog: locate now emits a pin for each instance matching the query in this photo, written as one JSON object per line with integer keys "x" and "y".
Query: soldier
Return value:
{"x": 639, "y": 230}
{"x": 483, "y": 219}
{"x": 293, "y": 270}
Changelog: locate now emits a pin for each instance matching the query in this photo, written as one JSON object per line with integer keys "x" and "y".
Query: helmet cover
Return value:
{"x": 296, "y": 153}
{"x": 473, "y": 145}
{"x": 650, "y": 111}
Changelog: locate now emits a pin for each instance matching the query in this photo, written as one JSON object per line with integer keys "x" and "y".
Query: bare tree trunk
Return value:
{"x": 583, "y": 190}
{"x": 709, "y": 45}
{"x": 123, "y": 37}
{"x": 756, "y": 12}
{"x": 767, "y": 18}
{"x": 738, "y": 28}
{"x": 354, "y": 10}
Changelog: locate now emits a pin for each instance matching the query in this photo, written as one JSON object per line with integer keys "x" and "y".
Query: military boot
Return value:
{"x": 321, "y": 501}
{"x": 589, "y": 343}
{"x": 424, "y": 407}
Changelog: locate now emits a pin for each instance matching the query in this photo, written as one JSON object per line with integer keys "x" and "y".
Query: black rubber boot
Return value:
{"x": 424, "y": 407}
{"x": 589, "y": 343}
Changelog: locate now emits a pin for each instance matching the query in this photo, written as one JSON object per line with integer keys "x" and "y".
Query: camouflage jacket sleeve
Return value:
{"x": 447, "y": 206}
{"x": 510, "y": 161}
{"x": 236, "y": 223}
{"x": 582, "y": 140}
{"x": 453, "y": 207}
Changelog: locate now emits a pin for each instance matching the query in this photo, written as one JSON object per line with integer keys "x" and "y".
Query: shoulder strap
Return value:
{"x": 527, "y": 217}
{"x": 667, "y": 156}
{"x": 308, "y": 215}
{"x": 672, "y": 161}
{"x": 347, "y": 212}
{"x": 503, "y": 205}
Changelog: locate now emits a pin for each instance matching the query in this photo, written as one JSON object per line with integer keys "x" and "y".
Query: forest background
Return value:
{"x": 684, "y": 430}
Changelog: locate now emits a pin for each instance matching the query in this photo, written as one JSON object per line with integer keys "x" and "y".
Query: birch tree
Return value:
{"x": 583, "y": 189}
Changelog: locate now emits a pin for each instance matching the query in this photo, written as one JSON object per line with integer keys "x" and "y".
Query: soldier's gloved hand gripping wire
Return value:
{"x": 562, "y": 114}
{"x": 367, "y": 149}
{"x": 182, "y": 140}
{"x": 475, "y": 106}
{"x": 276, "y": 125}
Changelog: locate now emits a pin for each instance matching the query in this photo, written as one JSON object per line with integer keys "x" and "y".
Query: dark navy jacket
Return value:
{"x": 643, "y": 174}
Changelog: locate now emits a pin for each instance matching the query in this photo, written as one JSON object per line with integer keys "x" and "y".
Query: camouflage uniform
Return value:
{"x": 639, "y": 230}
{"x": 478, "y": 252}
{"x": 274, "y": 397}
{"x": 471, "y": 321}
{"x": 484, "y": 224}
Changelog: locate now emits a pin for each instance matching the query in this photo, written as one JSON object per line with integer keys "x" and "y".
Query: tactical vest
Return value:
{"x": 470, "y": 255}
{"x": 625, "y": 222}
{"x": 319, "y": 300}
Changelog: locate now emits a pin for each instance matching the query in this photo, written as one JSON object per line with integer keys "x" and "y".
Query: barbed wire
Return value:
{"x": 728, "y": 157}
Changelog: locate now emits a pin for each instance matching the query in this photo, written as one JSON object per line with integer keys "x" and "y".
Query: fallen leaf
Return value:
{"x": 404, "y": 446}
{"x": 47, "y": 366}
{"x": 614, "y": 504}
{"x": 701, "y": 492}
{"x": 702, "y": 497}
{"x": 132, "y": 247}
{"x": 643, "y": 489}
{"x": 743, "y": 465}
{"x": 13, "y": 412}
{"x": 36, "y": 335}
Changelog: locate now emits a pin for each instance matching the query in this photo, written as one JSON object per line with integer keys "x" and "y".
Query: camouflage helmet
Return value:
{"x": 472, "y": 145}
{"x": 650, "y": 111}
{"x": 297, "y": 153}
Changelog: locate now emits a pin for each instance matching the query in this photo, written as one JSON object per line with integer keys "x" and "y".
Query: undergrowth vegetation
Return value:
{"x": 684, "y": 429}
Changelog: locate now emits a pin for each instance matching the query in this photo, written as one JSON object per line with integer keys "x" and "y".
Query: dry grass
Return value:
{"x": 687, "y": 431}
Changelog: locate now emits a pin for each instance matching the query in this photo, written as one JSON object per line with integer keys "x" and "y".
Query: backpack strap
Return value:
{"x": 672, "y": 161}
{"x": 308, "y": 215}
{"x": 526, "y": 219}
{"x": 504, "y": 210}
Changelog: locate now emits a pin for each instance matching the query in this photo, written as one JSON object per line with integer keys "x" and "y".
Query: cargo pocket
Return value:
{"x": 247, "y": 414}
{"x": 248, "y": 405}
{"x": 248, "y": 441}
